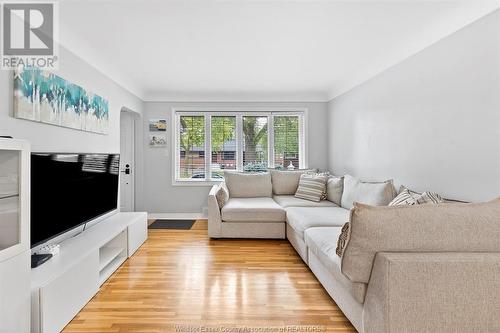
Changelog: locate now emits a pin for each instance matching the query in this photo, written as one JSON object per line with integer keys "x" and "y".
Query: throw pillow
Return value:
{"x": 429, "y": 197}
{"x": 334, "y": 188}
{"x": 410, "y": 198}
{"x": 342, "y": 241}
{"x": 370, "y": 193}
{"x": 324, "y": 173}
{"x": 222, "y": 195}
{"x": 405, "y": 197}
{"x": 311, "y": 187}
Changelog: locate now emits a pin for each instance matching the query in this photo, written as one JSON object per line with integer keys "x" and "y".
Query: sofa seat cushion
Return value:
{"x": 303, "y": 218}
{"x": 323, "y": 242}
{"x": 291, "y": 201}
{"x": 252, "y": 210}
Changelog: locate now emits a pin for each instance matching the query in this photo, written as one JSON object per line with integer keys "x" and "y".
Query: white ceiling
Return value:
{"x": 244, "y": 50}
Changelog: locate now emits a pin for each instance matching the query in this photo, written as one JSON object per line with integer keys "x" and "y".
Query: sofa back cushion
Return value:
{"x": 248, "y": 185}
{"x": 443, "y": 227}
{"x": 286, "y": 182}
{"x": 334, "y": 189}
{"x": 370, "y": 193}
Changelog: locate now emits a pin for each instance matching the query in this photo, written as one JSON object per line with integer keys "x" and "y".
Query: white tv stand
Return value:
{"x": 62, "y": 286}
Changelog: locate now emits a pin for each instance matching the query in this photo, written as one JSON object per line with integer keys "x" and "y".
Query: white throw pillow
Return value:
{"x": 248, "y": 185}
{"x": 369, "y": 193}
{"x": 334, "y": 189}
{"x": 311, "y": 187}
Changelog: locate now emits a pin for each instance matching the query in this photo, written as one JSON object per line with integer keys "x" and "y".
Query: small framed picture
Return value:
{"x": 157, "y": 125}
{"x": 157, "y": 140}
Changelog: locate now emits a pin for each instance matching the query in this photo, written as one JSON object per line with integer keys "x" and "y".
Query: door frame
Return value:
{"x": 136, "y": 121}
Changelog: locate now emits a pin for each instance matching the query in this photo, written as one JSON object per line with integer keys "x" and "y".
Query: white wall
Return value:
{"x": 160, "y": 196}
{"x": 44, "y": 137}
{"x": 431, "y": 122}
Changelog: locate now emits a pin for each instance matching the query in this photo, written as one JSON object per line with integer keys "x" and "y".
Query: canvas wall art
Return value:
{"x": 157, "y": 125}
{"x": 45, "y": 97}
{"x": 157, "y": 140}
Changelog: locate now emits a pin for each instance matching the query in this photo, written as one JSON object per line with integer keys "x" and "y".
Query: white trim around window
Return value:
{"x": 239, "y": 113}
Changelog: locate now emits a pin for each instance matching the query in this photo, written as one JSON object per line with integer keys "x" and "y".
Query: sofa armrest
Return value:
{"x": 214, "y": 216}
{"x": 433, "y": 292}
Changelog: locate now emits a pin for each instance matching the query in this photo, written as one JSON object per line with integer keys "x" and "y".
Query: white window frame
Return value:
{"x": 239, "y": 113}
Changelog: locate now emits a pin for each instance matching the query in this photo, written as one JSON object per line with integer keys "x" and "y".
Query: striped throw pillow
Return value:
{"x": 311, "y": 187}
{"x": 429, "y": 197}
{"x": 342, "y": 241}
{"x": 405, "y": 197}
{"x": 410, "y": 198}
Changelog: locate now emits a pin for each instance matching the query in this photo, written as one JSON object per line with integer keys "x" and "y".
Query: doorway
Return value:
{"x": 127, "y": 161}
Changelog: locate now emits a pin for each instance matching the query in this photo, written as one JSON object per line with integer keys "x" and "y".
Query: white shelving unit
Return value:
{"x": 14, "y": 235}
{"x": 62, "y": 286}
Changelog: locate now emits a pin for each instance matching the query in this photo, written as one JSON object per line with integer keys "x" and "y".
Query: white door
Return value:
{"x": 127, "y": 167}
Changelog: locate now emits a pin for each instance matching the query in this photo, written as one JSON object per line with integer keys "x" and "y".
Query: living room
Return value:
{"x": 179, "y": 166}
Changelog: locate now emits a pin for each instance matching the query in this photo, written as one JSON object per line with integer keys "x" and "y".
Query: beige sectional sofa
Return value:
{"x": 384, "y": 282}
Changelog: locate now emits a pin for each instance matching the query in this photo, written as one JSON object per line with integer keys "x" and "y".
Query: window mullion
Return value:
{"x": 239, "y": 143}
{"x": 302, "y": 143}
{"x": 208, "y": 147}
{"x": 270, "y": 141}
{"x": 177, "y": 149}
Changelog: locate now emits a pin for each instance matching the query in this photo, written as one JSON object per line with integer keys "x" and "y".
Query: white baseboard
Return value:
{"x": 176, "y": 216}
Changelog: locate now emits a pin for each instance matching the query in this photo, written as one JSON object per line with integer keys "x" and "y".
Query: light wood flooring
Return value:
{"x": 181, "y": 277}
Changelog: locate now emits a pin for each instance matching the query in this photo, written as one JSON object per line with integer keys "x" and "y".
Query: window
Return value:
{"x": 223, "y": 139}
{"x": 191, "y": 147}
{"x": 286, "y": 141}
{"x": 255, "y": 152}
{"x": 250, "y": 141}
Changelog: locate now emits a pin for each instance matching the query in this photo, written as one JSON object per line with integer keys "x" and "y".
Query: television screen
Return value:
{"x": 68, "y": 190}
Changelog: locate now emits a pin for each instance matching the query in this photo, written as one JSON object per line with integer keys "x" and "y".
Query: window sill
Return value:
{"x": 196, "y": 183}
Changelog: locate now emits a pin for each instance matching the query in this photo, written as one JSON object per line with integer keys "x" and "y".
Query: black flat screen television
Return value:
{"x": 69, "y": 190}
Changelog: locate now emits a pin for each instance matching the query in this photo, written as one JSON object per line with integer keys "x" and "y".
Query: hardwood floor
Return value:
{"x": 181, "y": 277}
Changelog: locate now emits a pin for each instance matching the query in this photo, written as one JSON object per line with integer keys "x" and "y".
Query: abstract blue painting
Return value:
{"x": 45, "y": 97}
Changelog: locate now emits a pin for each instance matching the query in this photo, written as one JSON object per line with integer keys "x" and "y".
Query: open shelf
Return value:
{"x": 111, "y": 267}
{"x": 107, "y": 255}
{"x": 112, "y": 255}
